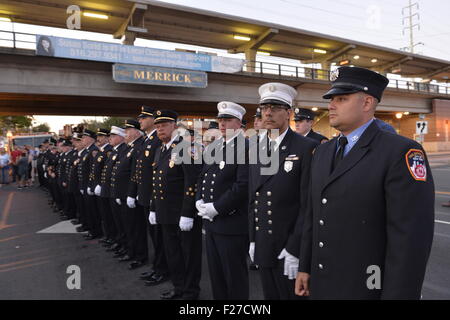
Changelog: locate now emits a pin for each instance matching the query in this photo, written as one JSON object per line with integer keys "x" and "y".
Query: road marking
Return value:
{"x": 440, "y": 221}
{"x": 5, "y": 212}
{"x": 15, "y": 237}
{"x": 442, "y": 192}
{"x": 25, "y": 266}
{"x": 61, "y": 227}
{"x": 442, "y": 235}
{"x": 15, "y": 263}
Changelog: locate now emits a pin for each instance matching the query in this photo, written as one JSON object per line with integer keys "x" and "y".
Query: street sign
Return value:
{"x": 421, "y": 127}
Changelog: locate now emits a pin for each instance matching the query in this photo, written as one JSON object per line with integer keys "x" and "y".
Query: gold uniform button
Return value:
{"x": 256, "y": 228}
{"x": 269, "y": 203}
{"x": 256, "y": 202}
{"x": 269, "y": 231}
{"x": 269, "y": 222}
{"x": 269, "y": 193}
{"x": 269, "y": 212}
{"x": 257, "y": 194}
{"x": 256, "y": 219}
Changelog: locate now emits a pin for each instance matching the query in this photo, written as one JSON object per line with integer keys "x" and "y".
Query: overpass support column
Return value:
{"x": 250, "y": 56}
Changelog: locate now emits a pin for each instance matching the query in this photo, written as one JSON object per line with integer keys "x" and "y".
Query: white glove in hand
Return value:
{"x": 198, "y": 203}
{"x": 251, "y": 251}
{"x": 89, "y": 191}
{"x": 186, "y": 223}
{"x": 152, "y": 217}
{"x": 82, "y": 192}
{"x": 98, "y": 190}
{"x": 290, "y": 264}
{"x": 208, "y": 211}
{"x": 137, "y": 198}
{"x": 45, "y": 175}
{"x": 201, "y": 211}
{"x": 118, "y": 202}
{"x": 131, "y": 202}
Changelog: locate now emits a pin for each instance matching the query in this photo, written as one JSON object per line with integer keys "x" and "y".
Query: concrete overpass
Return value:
{"x": 32, "y": 84}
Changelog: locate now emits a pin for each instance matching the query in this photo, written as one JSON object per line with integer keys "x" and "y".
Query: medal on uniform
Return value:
{"x": 147, "y": 153}
{"x": 99, "y": 159}
{"x": 222, "y": 165}
{"x": 171, "y": 163}
{"x": 115, "y": 156}
{"x": 288, "y": 166}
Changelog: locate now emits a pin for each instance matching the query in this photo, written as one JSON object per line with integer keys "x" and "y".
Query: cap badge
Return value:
{"x": 223, "y": 105}
{"x": 334, "y": 75}
{"x": 297, "y": 110}
{"x": 158, "y": 113}
{"x": 272, "y": 88}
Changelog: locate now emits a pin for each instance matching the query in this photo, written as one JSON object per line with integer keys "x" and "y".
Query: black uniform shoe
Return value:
{"x": 170, "y": 295}
{"x": 120, "y": 253}
{"x": 81, "y": 229}
{"x": 125, "y": 258}
{"x": 155, "y": 280}
{"x": 75, "y": 221}
{"x": 146, "y": 275}
{"x": 136, "y": 264}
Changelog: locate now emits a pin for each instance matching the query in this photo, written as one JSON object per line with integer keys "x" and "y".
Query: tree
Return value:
{"x": 15, "y": 123}
{"x": 113, "y": 121}
{"x": 43, "y": 127}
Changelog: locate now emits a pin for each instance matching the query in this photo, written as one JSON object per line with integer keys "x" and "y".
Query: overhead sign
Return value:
{"x": 159, "y": 76}
{"x": 421, "y": 127}
{"x": 118, "y": 53}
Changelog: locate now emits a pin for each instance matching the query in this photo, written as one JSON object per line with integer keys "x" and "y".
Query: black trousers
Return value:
{"x": 184, "y": 257}
{"x": 93, "y": 215}
{"x": 109, "y": 228}
{"x": 277, "y": 286}
{"x": 70, "y": 206}
{"x": 117, "y": 217}
{"x": 159, "y": 257}
{"x": 80, "y": 209}
{"x": 227, "y": 262}
{"x": 137, "y": 220}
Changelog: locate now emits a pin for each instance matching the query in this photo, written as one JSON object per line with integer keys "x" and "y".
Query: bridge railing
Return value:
{"x": 281, "y": 70}
{"x": 21, "y": 40}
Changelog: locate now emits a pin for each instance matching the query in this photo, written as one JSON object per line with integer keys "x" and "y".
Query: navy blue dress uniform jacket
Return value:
{"x": 174, "y": 185}
{"x": 226, "y": 185}
{"x": 97, "y": 166}
{"x": 316, "y": 136}
{"x": 277, "y": 201}
{"x": 375, "y": 209}
{"x": 122, "y": 169}
{"x": 84, "y": 166}
{"x": 141, "y": 185}
{"x": 106, "y": 182}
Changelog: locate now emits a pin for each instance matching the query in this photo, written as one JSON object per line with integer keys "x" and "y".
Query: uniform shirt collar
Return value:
{"x": 306, "y": 134}
{"x": 354, "y": 136}
{"x": 102, "y": 148}
{"x": 151, "y": 133}
{"x": 279, "y": 139}
{"x": 170, "y": 142}
{"x": 117, "y": 147}
{"x": 81, "y": 151}
{"x": 238, "y": 132}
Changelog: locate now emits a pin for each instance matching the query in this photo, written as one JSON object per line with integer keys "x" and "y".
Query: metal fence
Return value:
{"x": 22, "y": 40}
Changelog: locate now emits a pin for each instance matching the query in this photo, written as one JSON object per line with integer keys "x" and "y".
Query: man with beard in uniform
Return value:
{"x": 278, "y": 199}
{"x": 173, "y": 207}
{"x": 304, "y": 121}
{"x": 139, "y": 195}
{"x": 112, "y": 222}
{"x": 222, "y": 202}
{"x": 84, "y": 167}
{"x": 123, "y": 171}
{"x": 369, "y": 228}
{"x": 104, "y": 148}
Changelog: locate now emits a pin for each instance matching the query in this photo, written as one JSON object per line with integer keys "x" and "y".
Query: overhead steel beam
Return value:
{"x": 133, "y": 24}
{"x": 256, "y": 43}
{"x": 331, "y": 56}
{"x": 388, "y": 66}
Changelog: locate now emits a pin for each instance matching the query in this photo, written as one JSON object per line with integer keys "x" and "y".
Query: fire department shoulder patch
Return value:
{"x": 415, "y": 160}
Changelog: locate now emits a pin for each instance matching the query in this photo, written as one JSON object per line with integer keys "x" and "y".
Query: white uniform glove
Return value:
{"x": 137, "y": 198}
{"x": 131, "y": 202}
{"x": 98, "y": 190}
{"x": 45, "y": 175}
{"x": 201, "y": 211}
{"x": 186, "y": 223}
{"x": 208, "y": 211}
{"x": 152, "y": 217}
{"x": 118, "y": 202}
{"x": 251, "y": 251}
{"x": 82, "y": 192}
{"x": 89, "y": 191}
{"x": 290, "y": 264}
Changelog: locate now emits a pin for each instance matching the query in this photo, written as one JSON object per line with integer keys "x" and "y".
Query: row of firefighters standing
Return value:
{"x": 316, "y": 226}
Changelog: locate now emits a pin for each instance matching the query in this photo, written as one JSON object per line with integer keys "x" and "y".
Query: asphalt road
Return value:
{"x": 34, "y": 265}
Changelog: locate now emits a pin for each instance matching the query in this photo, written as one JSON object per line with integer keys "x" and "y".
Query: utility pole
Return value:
{"x": 410, "y": 24}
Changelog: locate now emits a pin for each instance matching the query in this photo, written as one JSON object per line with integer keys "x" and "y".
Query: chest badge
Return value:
{"x": 115, "y": 157}
{"x": 288, "y": 166}
{"x": 171, "y": 164}
{"x": 147, "y": 153}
